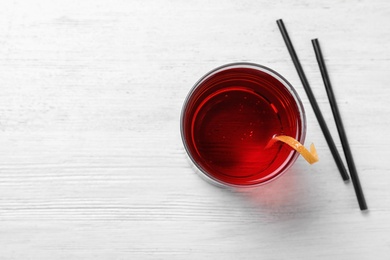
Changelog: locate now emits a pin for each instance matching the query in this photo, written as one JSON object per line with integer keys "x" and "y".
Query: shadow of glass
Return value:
{"x": 285, "y": 198}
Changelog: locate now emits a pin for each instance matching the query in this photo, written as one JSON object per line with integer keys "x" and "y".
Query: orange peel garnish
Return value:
{"x": 310, "y": 156}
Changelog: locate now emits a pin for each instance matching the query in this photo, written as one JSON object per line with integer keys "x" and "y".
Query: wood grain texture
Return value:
{"x": 91, "y": 161}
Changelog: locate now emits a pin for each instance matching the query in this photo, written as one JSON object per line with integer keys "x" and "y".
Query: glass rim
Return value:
{"x": 288, "y": 162}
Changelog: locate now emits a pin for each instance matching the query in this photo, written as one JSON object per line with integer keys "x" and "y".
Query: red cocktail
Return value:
{"x": 230, "y": 116}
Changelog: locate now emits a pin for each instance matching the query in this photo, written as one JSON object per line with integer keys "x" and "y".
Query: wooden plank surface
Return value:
{"x": 91, "y": 161}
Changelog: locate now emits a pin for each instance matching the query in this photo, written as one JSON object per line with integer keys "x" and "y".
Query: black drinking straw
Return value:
{"x": 340, "y": 126}
{"x": 313, "y": 101}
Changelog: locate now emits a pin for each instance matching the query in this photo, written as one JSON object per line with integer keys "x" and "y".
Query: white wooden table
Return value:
{"x": 91, "y": 161}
